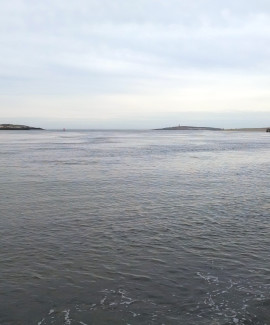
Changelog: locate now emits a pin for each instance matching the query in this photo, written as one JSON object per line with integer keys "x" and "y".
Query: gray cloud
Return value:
{"x": 74, "y": 48}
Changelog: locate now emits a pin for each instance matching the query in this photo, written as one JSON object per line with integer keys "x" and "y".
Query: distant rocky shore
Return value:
{"x": 180, "y": 127}
{"x": 17, "y": 127}
{"x": 191, "y": 128}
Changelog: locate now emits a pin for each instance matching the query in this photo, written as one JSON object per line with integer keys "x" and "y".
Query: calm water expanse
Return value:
{"x": 134, "y": 227}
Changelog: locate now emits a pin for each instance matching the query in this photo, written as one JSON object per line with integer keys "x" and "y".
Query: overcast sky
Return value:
{"x": 135, "y": 64}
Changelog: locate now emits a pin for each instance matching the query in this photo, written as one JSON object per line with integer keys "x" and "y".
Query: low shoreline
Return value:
{"x": 248, "y": 130}
{"x": 198, "y": 128}
{"x": 17, "y": 127}
{"x": 189, "y": 128}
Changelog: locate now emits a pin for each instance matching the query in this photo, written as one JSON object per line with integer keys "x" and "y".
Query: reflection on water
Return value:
{"x": 147, "y": 227}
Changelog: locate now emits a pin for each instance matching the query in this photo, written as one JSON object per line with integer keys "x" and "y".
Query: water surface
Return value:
{"x": 134, "y": 227}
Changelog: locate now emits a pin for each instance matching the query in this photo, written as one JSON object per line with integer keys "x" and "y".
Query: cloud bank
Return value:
{"x": 113, "y": 63}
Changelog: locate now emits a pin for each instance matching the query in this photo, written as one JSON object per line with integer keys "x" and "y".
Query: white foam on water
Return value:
{"x": 222, "y": 306}
{"x": 39, "y": 323}
{"x": 92, "y": 307}
{"x": 231, "y": 284}
{"x": 67, "y": 319}
{"x": 209, "y": 301}
{"x": 124, "y": 299}
{"x": 103, "y": 300}
{"x": 127, "y": 302}
{"x": 209, "y": 278}
{"x": 134, "y": 314}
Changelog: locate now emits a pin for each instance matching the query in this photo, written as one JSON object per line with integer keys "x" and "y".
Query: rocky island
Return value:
{"x": 17, "y": 127}
{"x": 190, "y": 128}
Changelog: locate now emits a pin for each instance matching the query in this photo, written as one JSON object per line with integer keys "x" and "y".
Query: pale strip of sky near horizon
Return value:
{"x": 135, "y": 64}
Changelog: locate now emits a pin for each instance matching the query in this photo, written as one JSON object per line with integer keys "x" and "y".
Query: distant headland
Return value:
{"x": 190, "y": 128}
{"x": 194, "y": 128}
{"x": 17, "y": 127}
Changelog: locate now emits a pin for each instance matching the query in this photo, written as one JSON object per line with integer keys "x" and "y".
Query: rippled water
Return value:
{"x": 149, "y": 227}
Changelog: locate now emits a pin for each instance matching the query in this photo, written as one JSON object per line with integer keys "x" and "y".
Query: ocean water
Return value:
{"x": 134, "y": 227}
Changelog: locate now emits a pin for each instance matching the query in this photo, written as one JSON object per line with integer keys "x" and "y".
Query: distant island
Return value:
{"x": 17, "y": 127}
{"x": 190, "y": 128}
{"x": 194, "y": 128}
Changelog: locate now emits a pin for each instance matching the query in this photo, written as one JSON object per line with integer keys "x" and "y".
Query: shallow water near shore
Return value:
{"x": 134, "y": 227}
